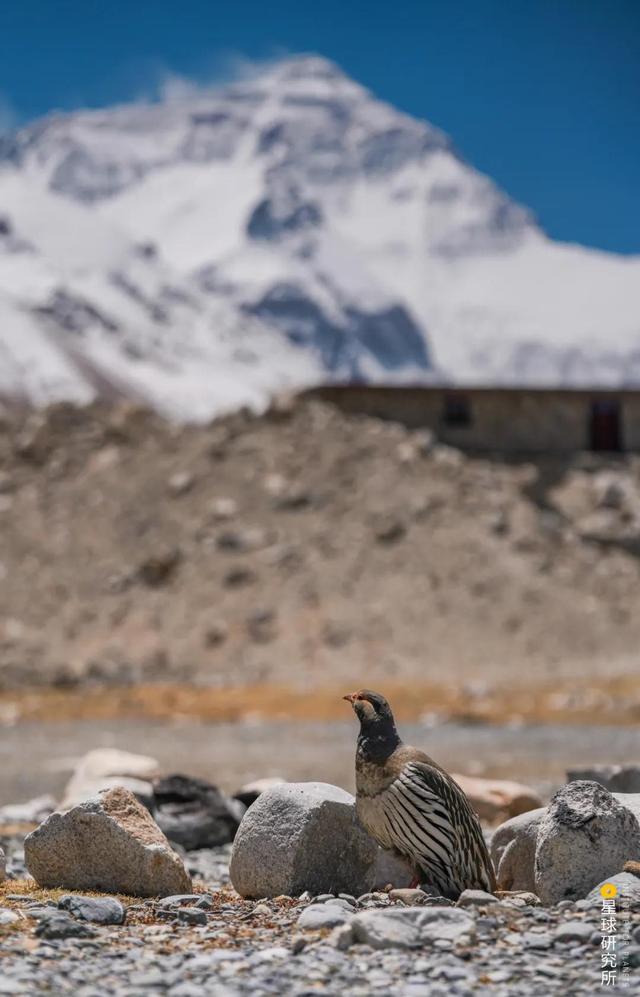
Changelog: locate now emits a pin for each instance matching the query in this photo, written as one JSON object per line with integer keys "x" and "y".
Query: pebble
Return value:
{"x": 100, "y": 910}
{"x": 477, "y": 898}
{"x": 191, "y": 915}
{"x": 319, "y": 916}
{"x": 574, "y": 931}
{"x": 59, "y": 924}
{"x": 409, "y": 897}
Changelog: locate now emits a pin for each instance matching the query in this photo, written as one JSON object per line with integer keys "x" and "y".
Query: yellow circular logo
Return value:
{"x": 608, "y": 890}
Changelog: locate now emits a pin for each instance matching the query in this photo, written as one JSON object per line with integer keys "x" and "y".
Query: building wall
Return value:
{"x": 510, "y": 420}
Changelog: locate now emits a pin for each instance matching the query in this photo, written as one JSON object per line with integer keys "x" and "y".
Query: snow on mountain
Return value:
{"x": 205, "y": 251}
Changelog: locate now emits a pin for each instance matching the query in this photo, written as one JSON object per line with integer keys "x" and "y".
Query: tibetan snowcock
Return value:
{"x": 410, "y": 805}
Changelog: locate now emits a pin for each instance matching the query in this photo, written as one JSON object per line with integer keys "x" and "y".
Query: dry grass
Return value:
{"x": 605, "y": 701}
{"x": 28, "y": 889}
{"x": 148, "y": 921}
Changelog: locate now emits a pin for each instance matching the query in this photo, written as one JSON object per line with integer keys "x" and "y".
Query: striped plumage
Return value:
{"x": 413, "y": 807}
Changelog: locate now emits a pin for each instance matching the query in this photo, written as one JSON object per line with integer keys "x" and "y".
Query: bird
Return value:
{"x": 410, "y": 805}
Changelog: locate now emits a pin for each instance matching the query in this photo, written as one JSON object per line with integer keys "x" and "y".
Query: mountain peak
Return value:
{"x": 309, "y": 66}
{"x": 282, "y": 230}
{"x": 310, "y": 74}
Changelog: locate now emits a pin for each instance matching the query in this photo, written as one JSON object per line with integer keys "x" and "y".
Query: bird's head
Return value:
{"x": 378, "y": 737}
{"x": 370, "y": 707}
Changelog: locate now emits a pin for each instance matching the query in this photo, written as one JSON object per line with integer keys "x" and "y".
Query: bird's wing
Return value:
{"x": 438, "y": 822}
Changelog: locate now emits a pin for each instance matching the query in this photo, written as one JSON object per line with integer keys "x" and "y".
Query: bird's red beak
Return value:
{"x": 351, "y": 697}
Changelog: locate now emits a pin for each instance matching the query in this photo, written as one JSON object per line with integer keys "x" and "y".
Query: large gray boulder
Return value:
{"x": 585, "y": 836}
{"x": 513, "y": 845}
{"x": 302, "y": 836}
{"x": 513, "y": 850}
{"x": 110, "y": 844}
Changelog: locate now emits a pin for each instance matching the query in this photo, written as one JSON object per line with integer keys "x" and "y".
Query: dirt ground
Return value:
{"x": 307, "y": 548}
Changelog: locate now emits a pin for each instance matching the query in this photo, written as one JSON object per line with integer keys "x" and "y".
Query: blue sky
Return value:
{"x": 543, "y": 95}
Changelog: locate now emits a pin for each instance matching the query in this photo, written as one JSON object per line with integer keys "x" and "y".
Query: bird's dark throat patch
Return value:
{"x": 377, "y": 740}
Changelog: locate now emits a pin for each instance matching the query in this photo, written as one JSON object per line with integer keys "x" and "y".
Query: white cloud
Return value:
{"x": 227, "y": 68}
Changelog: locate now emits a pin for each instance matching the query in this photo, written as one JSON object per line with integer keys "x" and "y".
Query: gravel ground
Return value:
{"x": 255, "y": 948}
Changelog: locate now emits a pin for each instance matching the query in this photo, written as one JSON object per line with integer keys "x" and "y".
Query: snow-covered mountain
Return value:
{"x": 207, "y": 250}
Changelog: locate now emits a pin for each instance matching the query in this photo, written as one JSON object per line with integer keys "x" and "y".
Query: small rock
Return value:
{"x": 239, "y": 576}
{"x": 293, "y": 499}
{"x": 627, "y": 886}
{"x": 180, "y": 898}
{"x": 536, "y": 940}
{"x": 476, "y": 898}
{"x": 302, "y": 836}
{"x": 528, "y": 899}
{"x": 340, "y": 904}
{"x": 390, "y": 530}
{"x": 195, "y": 813}
{"x": 110, "y": 844}
{"x": 261, "y": 625}
{"x": 224, "y": 508}
{"x": 100, "y": 910}
{"x": 240, "y": 541}
{"x": 180, "y": 483}
{"x": 336, "y": 635}
{"x": 611, "y": 492}
{"x": 412, "y": 927}
{"x": 8, "y": 917}
{"x": 158, "y": 569}
{"x": 348, "y": 898}
{"x": 191, "y": 915}
{"x": 409, "y": 897}
{"x": 3, "y": 866}
{"x": 323, "y": 916}
{"x": 216, "y": 633}
{"x": 261, "y": 910}
{"x": 58, "y": 924}
{"x": 585, "y": 836}
{"x": 573, "y": 931}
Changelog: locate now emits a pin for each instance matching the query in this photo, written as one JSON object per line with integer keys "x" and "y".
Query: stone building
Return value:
{"x": 506, "y": 420}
